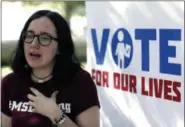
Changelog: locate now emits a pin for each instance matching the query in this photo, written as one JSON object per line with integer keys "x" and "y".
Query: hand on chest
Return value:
{"x": 19, "y": 100}
{"x": 22, "y": 111}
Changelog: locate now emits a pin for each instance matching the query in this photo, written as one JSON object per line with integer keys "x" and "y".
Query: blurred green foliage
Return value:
{"x": 69, "y": 7}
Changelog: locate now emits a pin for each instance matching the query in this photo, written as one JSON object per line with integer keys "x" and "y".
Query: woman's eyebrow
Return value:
{"x": 31, "y": 31}
{"x": 47, "y": 33}
{"x": 42, "y": 32}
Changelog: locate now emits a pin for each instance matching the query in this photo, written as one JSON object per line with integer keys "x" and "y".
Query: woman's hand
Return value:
{"x": 44, "y": 105}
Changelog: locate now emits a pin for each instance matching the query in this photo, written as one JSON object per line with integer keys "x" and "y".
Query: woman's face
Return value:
{"x": 40, "y": 50}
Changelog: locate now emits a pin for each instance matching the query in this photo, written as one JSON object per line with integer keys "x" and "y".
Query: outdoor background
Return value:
{"x": 15, "y": 14}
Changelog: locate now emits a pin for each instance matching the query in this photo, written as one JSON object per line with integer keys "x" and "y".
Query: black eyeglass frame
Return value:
{"x": 38, "y": 38}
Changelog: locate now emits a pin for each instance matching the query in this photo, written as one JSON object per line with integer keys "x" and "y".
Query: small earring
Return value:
{"x": 26, "y": 66}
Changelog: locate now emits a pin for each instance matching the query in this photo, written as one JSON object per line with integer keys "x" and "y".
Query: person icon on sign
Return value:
{"x": 122, "y": 50}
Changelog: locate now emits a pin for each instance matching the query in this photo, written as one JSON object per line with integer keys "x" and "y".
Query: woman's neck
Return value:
{"x": 42, "y": 74}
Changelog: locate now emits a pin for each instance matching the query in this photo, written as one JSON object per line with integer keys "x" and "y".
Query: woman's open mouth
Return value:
{"x": 34, "y": 56}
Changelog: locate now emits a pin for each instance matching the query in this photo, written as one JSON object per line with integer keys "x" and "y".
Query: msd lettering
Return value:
{"x": 20, "y": 106}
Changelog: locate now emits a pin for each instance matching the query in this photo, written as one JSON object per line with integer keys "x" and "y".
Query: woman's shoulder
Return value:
{"x": 8, "y": 80}
{"x": 11, "y": 78}
{"x": 83, "y": 79}
{"x": 82, "y": 75}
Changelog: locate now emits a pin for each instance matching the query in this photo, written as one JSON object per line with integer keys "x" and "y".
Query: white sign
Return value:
{"x": 135, "y": 54}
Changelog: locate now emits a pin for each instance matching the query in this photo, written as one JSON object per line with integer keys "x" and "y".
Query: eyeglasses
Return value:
{"x": 44, "y": 39}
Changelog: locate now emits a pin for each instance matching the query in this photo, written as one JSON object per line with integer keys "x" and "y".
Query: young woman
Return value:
{"x": 48, "y": 87}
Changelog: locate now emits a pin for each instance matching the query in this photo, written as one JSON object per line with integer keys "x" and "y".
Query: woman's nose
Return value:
{"x": 35, "y": 43}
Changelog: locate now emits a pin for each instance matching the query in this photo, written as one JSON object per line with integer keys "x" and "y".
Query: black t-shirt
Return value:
{"x": 76, "y": 97}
